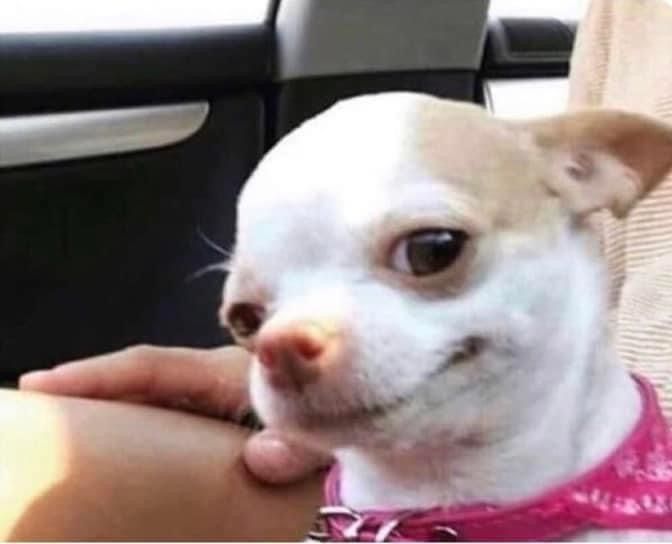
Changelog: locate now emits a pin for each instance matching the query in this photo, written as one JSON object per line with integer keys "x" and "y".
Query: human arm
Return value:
{"x": 76, "y": 469}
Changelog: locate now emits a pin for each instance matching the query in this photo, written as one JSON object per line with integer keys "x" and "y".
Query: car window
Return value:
{"x": 525, "y": 98}
{"x": 531, "y": 96}
{"x": 562, "y": 9}
{"x": 29, "y": 16}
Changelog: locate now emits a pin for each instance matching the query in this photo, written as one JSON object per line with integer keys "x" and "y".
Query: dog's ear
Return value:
{"x": 602, "y": 159}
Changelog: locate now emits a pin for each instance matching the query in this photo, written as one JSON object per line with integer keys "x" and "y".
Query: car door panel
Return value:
{"x": 80, "y": 70}
{"x": 100, "y": 252}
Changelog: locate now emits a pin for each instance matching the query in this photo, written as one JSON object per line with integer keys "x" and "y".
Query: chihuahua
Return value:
{"x": 419, "y": 286}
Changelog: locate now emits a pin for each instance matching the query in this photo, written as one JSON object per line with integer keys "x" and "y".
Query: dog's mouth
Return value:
{"x": 311, "y": 419}
{"x": 313, "y": 415}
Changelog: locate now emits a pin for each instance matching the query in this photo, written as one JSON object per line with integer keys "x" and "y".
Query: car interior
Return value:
{"x": 125, "y": 137}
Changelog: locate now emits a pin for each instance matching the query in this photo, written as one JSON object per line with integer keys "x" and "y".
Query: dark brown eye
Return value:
{"x": 245, "y": 319}
{"x": 430, "y": 251}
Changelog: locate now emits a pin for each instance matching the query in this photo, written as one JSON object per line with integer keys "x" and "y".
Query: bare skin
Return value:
{"x": 91, "y": 469}
{"x": 207, "y": 382}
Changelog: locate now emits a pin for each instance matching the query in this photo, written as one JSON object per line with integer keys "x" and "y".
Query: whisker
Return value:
{"x": 222, "y": 267}
{"x": 213, "y": 245}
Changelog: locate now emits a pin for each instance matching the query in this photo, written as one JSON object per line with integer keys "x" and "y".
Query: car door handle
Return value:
{"x": 44, "y": 138}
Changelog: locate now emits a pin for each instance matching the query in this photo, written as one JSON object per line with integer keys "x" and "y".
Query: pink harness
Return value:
{"x": 631, "y": 489}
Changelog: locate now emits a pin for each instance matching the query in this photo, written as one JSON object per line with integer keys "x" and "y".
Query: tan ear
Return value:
{"x": 603, "y": 159}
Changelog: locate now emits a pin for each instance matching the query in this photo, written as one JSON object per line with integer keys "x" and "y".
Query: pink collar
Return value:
{"x": 631, "y": 489}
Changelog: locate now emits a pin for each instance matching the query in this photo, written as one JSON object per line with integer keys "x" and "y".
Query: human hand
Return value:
{"x": 208, "y": 382}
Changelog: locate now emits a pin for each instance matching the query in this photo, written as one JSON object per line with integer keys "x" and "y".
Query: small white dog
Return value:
{"x": 423, "y": 299}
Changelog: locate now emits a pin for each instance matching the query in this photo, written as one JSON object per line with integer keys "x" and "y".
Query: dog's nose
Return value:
{"x": 292, "y": 355}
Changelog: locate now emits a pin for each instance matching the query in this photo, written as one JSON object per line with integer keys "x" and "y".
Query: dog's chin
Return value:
{"x": 326, "y": 426}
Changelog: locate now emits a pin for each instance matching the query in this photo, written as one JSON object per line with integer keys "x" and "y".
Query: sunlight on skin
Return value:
{"x": 91, "y": 470}
{"x": 27, "y": 469}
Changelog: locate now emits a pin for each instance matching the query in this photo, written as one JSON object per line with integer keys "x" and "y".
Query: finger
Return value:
{"x": 275, "y": 459}
{"x": 213, "y": 381}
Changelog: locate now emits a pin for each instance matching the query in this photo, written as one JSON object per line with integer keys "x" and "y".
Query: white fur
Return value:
{"x": 544, "y": 401}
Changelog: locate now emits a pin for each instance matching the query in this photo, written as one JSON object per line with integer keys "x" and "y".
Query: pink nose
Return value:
{"x": 292, "y": 355}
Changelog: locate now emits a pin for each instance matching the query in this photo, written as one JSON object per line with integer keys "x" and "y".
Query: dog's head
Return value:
{"x": 408, "y": 267}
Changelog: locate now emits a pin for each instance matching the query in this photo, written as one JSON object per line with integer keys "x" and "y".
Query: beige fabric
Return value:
{"x": 623, "y": 59}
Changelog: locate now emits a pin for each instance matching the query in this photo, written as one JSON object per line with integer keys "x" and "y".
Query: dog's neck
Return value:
{"x": 578, "y": 427}
{"x": 578, "y": 421}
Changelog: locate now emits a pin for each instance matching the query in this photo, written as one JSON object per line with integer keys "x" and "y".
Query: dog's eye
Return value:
{"x": 426, "y": 252}
{"x": 245, "y": 319}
